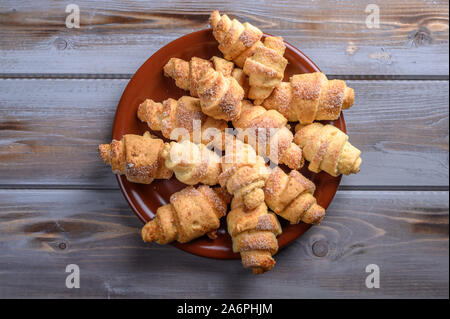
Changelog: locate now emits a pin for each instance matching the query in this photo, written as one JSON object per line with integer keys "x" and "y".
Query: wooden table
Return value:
{"x": 60, "y": 205}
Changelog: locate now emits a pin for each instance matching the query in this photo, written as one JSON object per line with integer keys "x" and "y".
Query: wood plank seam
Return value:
{"x": 365, "y": 188}
{"x": 126, "y": 76}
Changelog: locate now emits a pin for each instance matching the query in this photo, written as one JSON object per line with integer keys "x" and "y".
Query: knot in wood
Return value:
{"x": 60, "y": 43}
{"x": 421, "y": 37}
{"x": 320, "y": 248}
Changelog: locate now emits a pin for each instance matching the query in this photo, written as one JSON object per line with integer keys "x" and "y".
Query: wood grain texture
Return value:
{"x": 50, "y": 129}
{"x": 116, "y": 37}
{"x": 404, "y": 233}
{"x": 59, "y": 203}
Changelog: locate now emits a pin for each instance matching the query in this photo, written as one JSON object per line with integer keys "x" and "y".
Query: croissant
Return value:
{"x": 187, "y": 74}
{"x": 182, "y": 114}
{"x": 265, "y": 68}
{"x": 137, "y": 157}
{"x": 262, "y": 62}
{"x": 242, "y": 79}
{"x": 220, "y": 96}
{"x": 243, "y": 173}
{"x": 192, "y": 163}
{"x": 291, "y": 197}
{"x": 266, "y": 131}
{"x": 310, "y": 97}
{"x": 327, "y": 149}
{"x": 192, "y": 212}
{"x": 223, "y": 66}
{"x": 254, "y": 234}
{"x": 237, "y": 41}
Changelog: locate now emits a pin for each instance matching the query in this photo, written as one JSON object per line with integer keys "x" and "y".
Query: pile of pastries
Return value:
{"x": 234, "y": 174}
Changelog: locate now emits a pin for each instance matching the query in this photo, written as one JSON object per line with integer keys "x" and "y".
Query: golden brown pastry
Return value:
{"x": 291, "y": 197}
{"x": 265, "y": 68}
{"x": 228, "y": 68}
{"x": 223, "y": 66}
{"x": 220, "y": 96}
{"x": 266, "y": 131}
{"x": 310, "y": 97}
{"x": 237, "y": 41}
{"x": 192, "y": 163}
{"x": 262, "y": 62}
{"x": 254, "y": 233}
{"x": 187, "y": 74}
{"x": 242, "y": 79}
{"x": 192, "y": 213}
{"x": 179, "y": 114}
{"x": 327, "y": 149}
{"x": 137, "y": 157}
{"x": 243, "y": 173}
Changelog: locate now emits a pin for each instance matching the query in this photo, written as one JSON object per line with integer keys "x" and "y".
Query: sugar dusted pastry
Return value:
{"x": 243, "y": 173}
{"x": 220, "y": 96}
{"x": 327, "y": 149}
{"x": 137, "y": 157}
{"x": 310, "y": 97}
{"x": 237, "y": 41}
{"x": 292, "y": 197}
{"x": 265, "y": 68}
{"x": 242, "y": 79}
{"x": 228, "y": 68}
{"x": 223, "y": 66}
{"x": 192, "y": 163}
{"x": 263, "y": 62}
{"x": 268, "y": 134}
{"x": 179, "y": 114}
{"x": 192, "y": 213}
{"x": 254, "y": 234}
{"x": 188, "y": 73}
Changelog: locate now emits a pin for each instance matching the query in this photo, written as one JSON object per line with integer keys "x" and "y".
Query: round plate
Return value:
{"x": 150, "y": 82}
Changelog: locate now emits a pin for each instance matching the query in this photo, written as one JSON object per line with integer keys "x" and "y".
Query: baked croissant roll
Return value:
{"x": 265, "y": 68}
{"x": 262, "y": 62}
{"x": 228, "y": 68}
{"x": 310, "y": 97}
{"x": 291, "y": 197}
{"x": 266, "y": 131}
{"x": 192, "y": 163}
{"x": 188, "y": 74}
{"x": 327, "y": 149}
{"x": 254, "y": 234}
{"x": 223, "y": 66}
{"x": 180, "y": 114}
{"x": 192, "y": 213}
{"x": 137, "y": 157}
{"x": 220, "y": 96}
{"x": 242, "y": 79}
{"x": 243, "y": 173}
{"x": 237, "y": 41}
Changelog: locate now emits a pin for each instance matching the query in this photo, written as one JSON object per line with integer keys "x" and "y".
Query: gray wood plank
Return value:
{"x": 116, "y": 37}
{"x": 404, "y": 233}
{"x": 50, "y": 129}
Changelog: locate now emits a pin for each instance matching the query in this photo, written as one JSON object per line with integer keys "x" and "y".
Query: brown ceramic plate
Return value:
{"x": 149, "y": 82}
